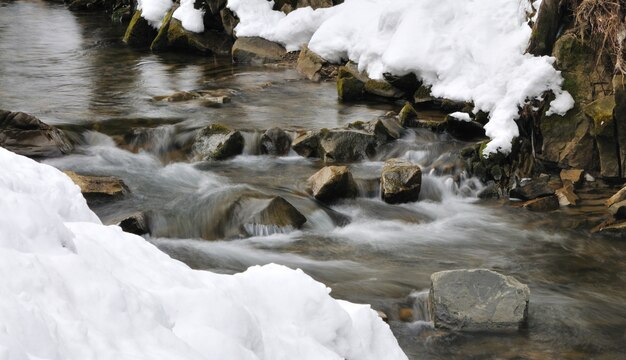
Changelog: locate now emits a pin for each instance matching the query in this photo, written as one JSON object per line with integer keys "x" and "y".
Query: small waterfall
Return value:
{"x": 252, "y": 142}
{"x": 421, "y": 304}
{"x": 267, "y": 230}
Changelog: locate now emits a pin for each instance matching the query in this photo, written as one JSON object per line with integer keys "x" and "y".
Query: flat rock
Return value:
{"x": 543, "y": 204}
{"x": 28, "y": 136}
{"x": 532, "y": 190}
{"x": 400, "y": 181}
{"x": 256, "y": 50}
{"x": 477, "y": 300}
{"x": 218, "y": 142}
{"x": 98, "y": 187}
{"x": 332, "y": 183}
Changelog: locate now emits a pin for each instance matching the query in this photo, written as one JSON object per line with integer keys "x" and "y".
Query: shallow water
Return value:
{"x": 82, "y": 77}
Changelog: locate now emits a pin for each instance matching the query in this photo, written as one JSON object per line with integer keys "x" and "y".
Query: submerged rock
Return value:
{"x": 276, "y": 142}
{"x": 256, "y": 50}
{"x": 332, "y": 183}
{"x": 477, "y": 300}
{"x": 26, "y": 135}
{"x": 400, "y": 181}
{"x": 218, "y": 142}
{"x": 96, "y": 188}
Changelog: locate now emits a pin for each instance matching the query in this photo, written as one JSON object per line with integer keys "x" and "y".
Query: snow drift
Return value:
{"x": 467, "y": 50}
{"x": 73, "y": 288}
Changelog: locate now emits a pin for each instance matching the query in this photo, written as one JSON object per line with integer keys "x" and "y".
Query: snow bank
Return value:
{"x": 154, "y": 10}
{"x": 73, "y": 288}
{"x": 191, "y": 18}
{"x": 467, "y": 50}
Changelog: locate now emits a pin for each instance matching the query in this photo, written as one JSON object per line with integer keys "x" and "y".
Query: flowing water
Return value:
{"x": 72, "y": 70}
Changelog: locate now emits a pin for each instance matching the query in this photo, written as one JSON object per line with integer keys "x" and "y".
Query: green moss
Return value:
{"x": 407, "y": 115}
{"x": 161, "y": 40}
{"x": 349, "y": 88}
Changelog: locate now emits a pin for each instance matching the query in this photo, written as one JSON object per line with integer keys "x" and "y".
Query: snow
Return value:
{"x": 73, "y": 288}
{"x": 467, "y": 51}
{"x": 461, "y": 116}
{"x": 191, "y": 18}
{"x": 154, "y": 10}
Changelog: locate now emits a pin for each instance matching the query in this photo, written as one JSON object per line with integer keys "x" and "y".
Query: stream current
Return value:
{"x": 71, "y": 70}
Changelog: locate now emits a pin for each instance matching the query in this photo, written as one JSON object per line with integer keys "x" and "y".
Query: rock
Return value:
{"x": 388, "y": 129}
{"x": 172, "y": 35}
{"x": 350, "y": 83}
{"x": 617, "y": 197}
{"x": 309, "y": 64}
{"x": 383, "y": 89}
{"x": 139, "y": 32}
{"x": 575, "y": 176}
{"x": 229, "y": 21}
{"x": 98, "y": 187}
{"x": 619, "y": 87}
{"x": 275, "y": 142}
{"x": 408, "y": 115}
{"x": 618, "y": 210}
{"x": 600, "y": 112}
{"x": 256, "y": 50}
{"x": 611, "y": 227}
{"x": 266, "y": 216}
{"x": 332, "y": 183}
{"x": 346, "y": 145}
{"x": 566, "y": 194}
{"x": 405, "y": 314}
{"x": 532, "y": 190}
{"x": 382, "y": 315}
{"x": 28, "y": 136}
{"x": 464, "y": 130}
{"x": 477, "y": 300}
{"x": 135, "y": 224}
{"x": 400, "y": 181}
{"x": 307, "y": 144}
{"x": 407, "y": 83}
{"x": 315, "y": 4}
{"x": 546, "y": 28}
{"x": 423, "y": 96}
{"x": 218, "y": 142}
{"x": 207, "y": 97}
{"x": 543, "y": 204}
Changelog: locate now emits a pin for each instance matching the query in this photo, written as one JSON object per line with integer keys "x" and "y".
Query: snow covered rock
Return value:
{"x": 218, "y": 142}
{"x": 256, "y": 50}
{"x": 332, "y": 183}
{"x": 73, "y": 288}
{"x": 29, "y": 136}
{"x": 477, "y": 300}
{"x": 464, "y": 128}
{"x": 400, "y": 181}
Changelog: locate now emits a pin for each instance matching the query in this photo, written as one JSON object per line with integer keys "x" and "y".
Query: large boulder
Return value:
{"x": 95, "y": 188}
{"x": 266, "y": 216}
{"x": 477, "y": 300}
{"x": 332, "y": 183}
{"x": 256, "y": 50}
{"x": 139, "y": 32}
{"x": 218, "y": 142}
{"x": 26, "y": 135}
{"x": 400, "y": 181}
{"x": 276, "y": 142}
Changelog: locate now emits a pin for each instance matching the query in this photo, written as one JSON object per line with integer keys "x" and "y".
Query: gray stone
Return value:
{"x": 477, "y": 300}
{"x": 332, "y": 183}
{"x": 400, "y": 181}
{"x": 218, "y": 142}
{"x": 275, "y": 142}
{"x": 266, "y": 216}
{"x": 309, "y": 64}
{"x": 388, "y": 129}
{"x": 26, "y": 135}
{"x": 346, "y": 145}
{"x": 307, "y": 144}
{"x": 383, "y": 89}
{"x": 256, "y": 50}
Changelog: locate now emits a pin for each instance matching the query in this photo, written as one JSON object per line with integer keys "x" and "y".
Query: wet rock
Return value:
{"x": 611, "y": 227}
{"x": 98, "y": 187}
{"x": 464, "y": 130}
{"x": 207, "y": 97}
{"x": 332, "y": 183}
{"x": 388, "y": 129}
{"x": 617, "y": 197}
{"x": 575, "y": 176}
{"x": 618, "y": 210}
{"x": 546, "y": 28}
{"x": 307, "y": 144}
{"x": 543, "y": 204}
{"x": 400, "y": 181}
{"x": 79, "y": 5}
{"x": 477, "y": 300}
{"x": 218, "y": 142}
{"x": 275, "y": 142}
{"x": 229, "y": 21}
{"x": 408, "y": 115}
{"x": 566, "y": 194}
{"x": 346, "y": 145}
{"x": 266, "y": 216}
{"x": 407, "y": 83}
{"x": 490, "y": 191}
{"x": 350, "y": 83}
{"x": 532, "y": 190}
{"x": 310, "y": 64}
{"x": 26, "y": 135}
{"x": 382, "y": 88}
{"x": 422, "y": 96}
{"x": 135, "y": 224}
{"x": 172, "y": 35}
{"x": 256, "y": 50}
{"x": 139, "y": 32}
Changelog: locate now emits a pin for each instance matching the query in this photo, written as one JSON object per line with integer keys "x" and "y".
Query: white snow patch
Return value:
{"x": 461, "y": 116}
{"x": 154, "y": 10}
{"x": 191, "y": 18}
{"x": 73, "y": 288}
{"x": 468, "y": 51}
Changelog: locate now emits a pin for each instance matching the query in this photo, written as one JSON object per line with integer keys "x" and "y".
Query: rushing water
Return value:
{"x": 72, "y": 70}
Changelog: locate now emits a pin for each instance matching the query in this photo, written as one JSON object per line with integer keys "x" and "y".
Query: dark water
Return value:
{"x": 72, "y": 70}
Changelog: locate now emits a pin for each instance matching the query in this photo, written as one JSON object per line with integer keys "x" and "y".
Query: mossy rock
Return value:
{"x": 601, "y": 114}
{"x": 383, "y": 89}
{"x": 139, "y": 32}
{"x": 407, "y": 115}
{"x": 423, "y": 95}
{"x": 350, "y": 88}
{"x": 208, "y": 42}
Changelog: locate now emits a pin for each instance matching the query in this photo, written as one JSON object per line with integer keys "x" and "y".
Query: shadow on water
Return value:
{"x": 82, "y": 77}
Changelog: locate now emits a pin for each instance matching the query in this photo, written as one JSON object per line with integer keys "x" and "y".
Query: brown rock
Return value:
{"x": 574, "y": 176}
{"x": 256, "y": 50}
{"x": 618, "y": 197}
{"x": 26, "y": 135}
{"x": 406, "y": 314}
{"x": 332, "y": 183}
{"x": 543, "y": 204}
{"x": 309, "y": 64}
{"x": 98, "y": 187}
{"x": 566, "y": 195}
{"x": 400, "y": 181}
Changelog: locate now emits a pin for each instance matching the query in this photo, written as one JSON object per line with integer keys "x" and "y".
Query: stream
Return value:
{"x": 72, "y": 70}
